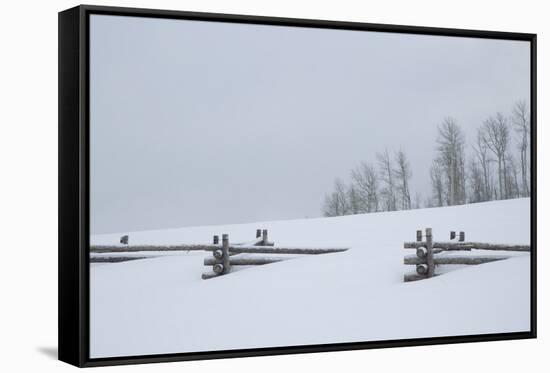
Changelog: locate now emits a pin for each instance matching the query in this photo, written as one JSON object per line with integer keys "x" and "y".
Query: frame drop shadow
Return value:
{"x": 50, "y": 352}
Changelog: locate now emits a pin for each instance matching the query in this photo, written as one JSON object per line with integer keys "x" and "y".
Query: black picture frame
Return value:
{"x": 74, "y": 191}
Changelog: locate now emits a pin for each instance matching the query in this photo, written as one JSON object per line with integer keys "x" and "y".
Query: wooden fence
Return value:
{"x": 224, "y": 254}
{"x": 426, "y": 258}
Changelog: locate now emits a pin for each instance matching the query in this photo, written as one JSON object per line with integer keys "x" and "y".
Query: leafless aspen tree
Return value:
{"x": 496, "y": 136}
{"x": 481, "y": 153}
{"x": 475, "y": 177}
{"x": 366, "y": 183}
{"x": 355, "y": 203}
{"x": 387, "y": 177}
{"x": 437, "y": 184}
{"x": 522, "y": 125}
{"x": 403, "y": 174}
{"x": 451, "y": 159}
{"x": 512, "y": 181}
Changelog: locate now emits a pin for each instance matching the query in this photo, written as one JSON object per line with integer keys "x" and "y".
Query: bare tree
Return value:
{"x": 476, "y": 180}
{"x": 366, "y": 182}
{"x": 512, "y": 181}
{"x": 481, "y": 153}
{"x": 336, "y": 203}
{"x": 355, "y": 203}
{"x": 450, "y": 156}
{"x": 386, "y": 174}
{"x": 403, "y": 174}
{"x": 436, "y": 177}
{"x": 522, "y": 125}
{"x": 496, "y": 136}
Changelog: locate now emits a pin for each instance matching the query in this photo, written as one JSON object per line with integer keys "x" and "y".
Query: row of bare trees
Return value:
{"x": 497, "y": 168}
{"x": 383, "y": 186}
{"x": 500, "y": 167}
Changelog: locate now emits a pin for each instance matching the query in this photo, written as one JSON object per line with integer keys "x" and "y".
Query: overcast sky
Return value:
{"x": 199, "y": 123}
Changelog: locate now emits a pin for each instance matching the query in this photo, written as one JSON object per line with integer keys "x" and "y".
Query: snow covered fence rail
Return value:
{"x": 136, "y": 248}
{"x": 425, "y": 261}
{"x": 261, "y": 240}
{"x": 100, "y": 253}
{"x": 467, "y": 246}
{"x": 223, "y": 256}
{"x": 115, "y": 259}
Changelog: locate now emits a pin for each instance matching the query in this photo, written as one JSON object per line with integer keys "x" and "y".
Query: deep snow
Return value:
{"x": 161, "y": 305}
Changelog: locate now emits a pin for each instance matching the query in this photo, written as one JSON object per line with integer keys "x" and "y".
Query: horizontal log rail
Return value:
{"x": 256, "y": 242}
{"x": 425, "y": 259}
{"x": 222, "y": 261}
{"x": 465, "y": 260}
{"x": 235, "y": 249}
{"x": 284, "y": 250}
{"x": 457, "y": 246}
{"x": 260, "y": 240}
{"x": 115, "y": 259}
{"x": 243, "y": 261}
{"x": 136, "y": 248}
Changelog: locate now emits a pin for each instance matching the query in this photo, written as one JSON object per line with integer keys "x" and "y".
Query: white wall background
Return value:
{"x": 28, "y": 184}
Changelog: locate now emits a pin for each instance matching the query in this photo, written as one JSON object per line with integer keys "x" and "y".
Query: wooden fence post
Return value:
{"x": 461, "y": 237}
{"x": 418, "y": 236}
{"x": 264, "y": 237}
{"x": 216, "y": 240}
{"x": 258, "y": 233}
{"x": 225, "y": 252}
{"x": 124, "y": 239}
{"x": 429, "y": 252}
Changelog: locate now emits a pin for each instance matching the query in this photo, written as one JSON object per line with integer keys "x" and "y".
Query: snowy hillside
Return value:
{"x": 161, "y": 305}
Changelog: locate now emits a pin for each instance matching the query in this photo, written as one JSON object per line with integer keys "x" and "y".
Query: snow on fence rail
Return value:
{"x": 261, "y": 239}
{"x": 223, "y": 255}
{"x": 425, "y": 261}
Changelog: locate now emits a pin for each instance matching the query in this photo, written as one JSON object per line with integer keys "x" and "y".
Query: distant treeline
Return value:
{"x": 497, "y": 167}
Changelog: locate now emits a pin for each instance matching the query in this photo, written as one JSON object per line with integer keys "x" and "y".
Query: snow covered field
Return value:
{"x": 161, "y": 304}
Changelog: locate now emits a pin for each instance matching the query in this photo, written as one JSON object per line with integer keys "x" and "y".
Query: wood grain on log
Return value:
{"x": 264, "y": 237}
{"x": 457, "y": 246}
{"x": 218, "y": 268}
{"x": 421, "y": 252}
{"x": 225, "y": 251}
{"x": 429, "y": 253}
{"x": 422, "y": 269}
{"x": 245, "y": 261}
{"x": 465, "y": 260}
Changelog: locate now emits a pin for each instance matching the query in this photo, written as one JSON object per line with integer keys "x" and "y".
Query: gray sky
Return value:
{"x": 198, "y": 123}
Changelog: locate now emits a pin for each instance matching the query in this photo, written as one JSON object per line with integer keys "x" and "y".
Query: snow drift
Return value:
{"x": 161, "y": 305}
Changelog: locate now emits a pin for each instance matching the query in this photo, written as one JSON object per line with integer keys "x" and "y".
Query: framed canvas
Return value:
{"x": 235, "y": 186}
